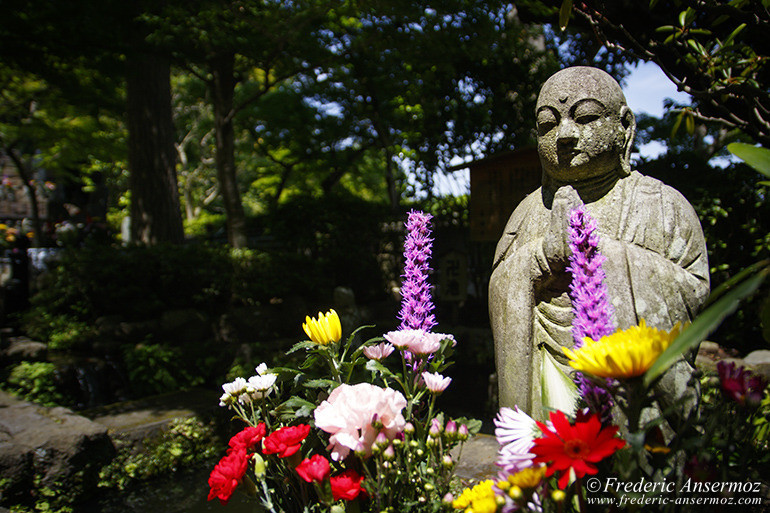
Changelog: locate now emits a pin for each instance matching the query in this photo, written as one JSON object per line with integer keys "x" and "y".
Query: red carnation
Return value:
{"x": 227, "y": 475}
{"x": 286, "y": 441}
{"x": 347, "y": 485}
{"x": 575, "y": 446}
{"x": 314, "y": 469}
{"x": 248, "y": 438}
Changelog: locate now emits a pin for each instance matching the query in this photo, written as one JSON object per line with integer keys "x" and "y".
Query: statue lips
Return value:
{"x": 566, "y": 153}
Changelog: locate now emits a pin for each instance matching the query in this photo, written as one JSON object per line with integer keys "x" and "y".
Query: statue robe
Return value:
{"x": 656, "y": 270}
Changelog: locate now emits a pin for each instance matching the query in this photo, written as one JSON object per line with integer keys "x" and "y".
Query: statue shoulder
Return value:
{"x": 520, "y": 215}
{"x": 652, "y": 187}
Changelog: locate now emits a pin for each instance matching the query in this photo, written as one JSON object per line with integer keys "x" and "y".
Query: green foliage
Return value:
{"x": 36, "y": 382}
{"x": 328, "y": 242}
{"x": 758, "y": 158}
{"x": 186, "y": 445}
{"x": 156, "y": 368}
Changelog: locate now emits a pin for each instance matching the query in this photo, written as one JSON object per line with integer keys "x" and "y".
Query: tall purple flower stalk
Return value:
{"x": 592, "y": 309}
{"x": 416, "y": 302}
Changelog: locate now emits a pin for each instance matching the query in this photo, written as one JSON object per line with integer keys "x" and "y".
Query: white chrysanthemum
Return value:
{"x": 233, "y": 391}
{"x": 516, "y": 432}
{"x": 261, "y": 385}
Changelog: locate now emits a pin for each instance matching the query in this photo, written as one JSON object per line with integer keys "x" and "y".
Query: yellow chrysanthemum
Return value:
{"x": 624, "y": 354}
{"x": 527, "y": 478}
{"x": 325, "y": 329}
{"x": 479, "y": 499}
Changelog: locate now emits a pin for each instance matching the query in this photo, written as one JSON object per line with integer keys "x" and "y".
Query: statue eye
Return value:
{"x": 546, "y": 121}
{"x": 586, "y": 111}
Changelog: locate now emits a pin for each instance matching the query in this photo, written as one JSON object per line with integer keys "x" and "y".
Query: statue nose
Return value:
{"x": 568, "y": 133}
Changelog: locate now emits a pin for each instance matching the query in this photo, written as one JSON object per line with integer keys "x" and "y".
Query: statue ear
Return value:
{"x": 628, "y": 121}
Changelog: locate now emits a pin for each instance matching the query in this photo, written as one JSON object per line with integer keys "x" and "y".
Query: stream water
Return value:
{"x": 186, "y": 493}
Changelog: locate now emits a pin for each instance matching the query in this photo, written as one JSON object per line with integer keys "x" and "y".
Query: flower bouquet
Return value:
{"x": 624, "y": 447}
{"x": 355, "y": 426}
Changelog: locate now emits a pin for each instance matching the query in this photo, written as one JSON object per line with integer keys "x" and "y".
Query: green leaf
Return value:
{"x": 707, "y": 322}
{"x": 666, "y": 28}
{"x": 301, "y": 345}
{"x": 755, "y": 156}
{"x": 734, "y": 33}
{"x": 564, "y": 13}
{"x": 375, "y": 366}
{"x": 682, "y": 18}
{"x": 320, "y": 383}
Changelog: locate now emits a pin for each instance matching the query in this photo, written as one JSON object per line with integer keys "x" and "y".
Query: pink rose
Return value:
{"x": 355, "y": 414}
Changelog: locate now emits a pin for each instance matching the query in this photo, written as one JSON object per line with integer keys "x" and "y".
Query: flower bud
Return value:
{"x": 558, "y": 495}
{"x": 448, "y": 499}
{"x": 389, "y": 454}
{"x": 420, "y": 453}
{"x": 515, "y": 493}
{"x": 462, "y": 433}
{"x": 409, "y": 428}
{"x": 259, "y": 466}
{"x": 337, "y": 508}
{"x": 397, "y": 443}
{"x": 435, "y": 428}
{"x": 451, "y": 429}
{"x": 430, "y": 471}
{"x": 414, "y": 444}
{"x": 381, "y": 441}
{"x": 429, "y": 487}
{"x": 447, "y": 462}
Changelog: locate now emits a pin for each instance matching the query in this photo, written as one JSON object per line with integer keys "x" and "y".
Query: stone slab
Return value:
{"x": 136, "y": 420}
{"x": 477, "y": 458}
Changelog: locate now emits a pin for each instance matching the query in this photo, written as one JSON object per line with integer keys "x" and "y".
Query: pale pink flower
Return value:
{"x": 378, "y": 352}
{"x": 440, "y": 337}
{"x": 416, "y": 341}
{"x": 435, "y": 382}
{"x": 349, "y": 413}
{"x": 403, "y": 339}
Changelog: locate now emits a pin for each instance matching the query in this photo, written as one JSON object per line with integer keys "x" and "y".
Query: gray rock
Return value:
{"x": 22, "y": 348}
{"x": 656, "y": 267}
{"x": 138, "y": 330}
{"x": 185, "y": 326}
{"x": 54, "y": 443}
{"x": 758, "y": 357}
{"x": 759, "y": 362}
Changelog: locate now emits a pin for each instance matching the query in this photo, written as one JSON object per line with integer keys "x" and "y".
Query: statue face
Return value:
{"x": 581, "y": 132}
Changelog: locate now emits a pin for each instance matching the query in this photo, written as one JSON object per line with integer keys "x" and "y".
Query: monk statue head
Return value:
{"x": 585, "y": 129}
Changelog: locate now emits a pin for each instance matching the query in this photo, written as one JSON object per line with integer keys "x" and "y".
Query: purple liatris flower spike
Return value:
{"x": 593, "y": 312}
{"x": 592, "y": 309}
{"x": 416, "y": 302}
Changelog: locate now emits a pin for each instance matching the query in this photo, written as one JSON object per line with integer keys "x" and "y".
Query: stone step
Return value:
{"x": 138, "y": 419}
{"x": 477, "y": 458}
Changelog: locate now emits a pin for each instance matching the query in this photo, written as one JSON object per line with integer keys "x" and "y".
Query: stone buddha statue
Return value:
{"x": 656, "y": 263}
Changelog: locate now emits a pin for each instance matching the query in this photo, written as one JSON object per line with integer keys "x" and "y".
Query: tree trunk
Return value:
{"x": 155, "y": 211}
{"x": 222, "y": 91}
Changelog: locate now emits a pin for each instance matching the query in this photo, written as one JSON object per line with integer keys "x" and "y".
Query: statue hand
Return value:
{"x": 556, "y": 242}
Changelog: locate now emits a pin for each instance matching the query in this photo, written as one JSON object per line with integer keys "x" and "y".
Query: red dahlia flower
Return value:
{"x": 347, "y": 485}
{"x": 248, "y": 438}
{"x": 574, "y": 447}
{"x": 740, "y": 385}
{"x": 286, "y": 441}
{"x": 227, "y": 475}
{"x": 316, "y": 468}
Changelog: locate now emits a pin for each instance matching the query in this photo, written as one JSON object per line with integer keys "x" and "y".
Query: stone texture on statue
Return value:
{"x": 656, "y": 267}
